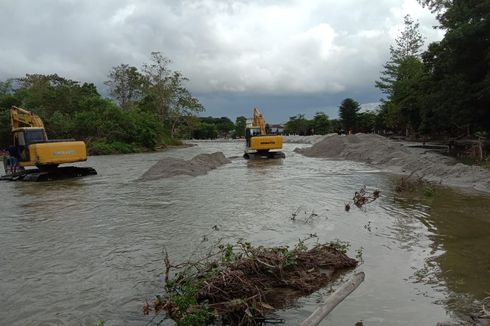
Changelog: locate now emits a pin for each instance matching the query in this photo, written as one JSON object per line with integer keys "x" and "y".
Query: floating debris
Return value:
{"x": 242, "y": 284}
{"x": 363, "y": 197}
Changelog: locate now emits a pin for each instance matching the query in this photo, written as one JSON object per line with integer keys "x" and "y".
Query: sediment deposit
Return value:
{"x": 199, "y": 165}
{"x": 399, "y": 158}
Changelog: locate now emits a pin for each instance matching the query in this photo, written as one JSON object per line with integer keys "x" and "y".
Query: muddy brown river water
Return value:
{"x": 83, "y": 251}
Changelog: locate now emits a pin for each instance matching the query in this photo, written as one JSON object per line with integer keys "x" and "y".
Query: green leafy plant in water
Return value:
{"x": 193, "y": 313}
{"x": 359, "y": 253}
{"x": 342, "y": 246}
{"x": 228, "y": 254}
{"x": 428, "y": 191}
{"x": 197, "y": 317}
{"x": 288, "y": 256}
{"x": 102, "y": 323}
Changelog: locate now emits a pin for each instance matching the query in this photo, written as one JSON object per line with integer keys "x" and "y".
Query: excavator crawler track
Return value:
{"x": 60, "y": 173}
{"x": 269, "y": 155}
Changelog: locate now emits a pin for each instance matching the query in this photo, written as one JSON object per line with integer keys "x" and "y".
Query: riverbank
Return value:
{"x": 400, "y": 158}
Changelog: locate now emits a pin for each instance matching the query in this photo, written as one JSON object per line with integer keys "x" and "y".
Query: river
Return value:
{"x": 82, "y": 251}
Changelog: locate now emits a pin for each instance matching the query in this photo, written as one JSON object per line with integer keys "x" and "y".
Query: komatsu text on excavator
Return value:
{"x": 258, "y": 143}
{"x": 30, "y": 147}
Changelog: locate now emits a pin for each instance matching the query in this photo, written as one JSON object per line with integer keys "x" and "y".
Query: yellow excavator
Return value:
{"x": 258, "y": 143}
{"x": 32, "y": 148}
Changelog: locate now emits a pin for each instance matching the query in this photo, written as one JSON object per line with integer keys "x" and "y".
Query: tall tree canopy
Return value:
{"x": 459, "y": 65}
{"x": 126, "y": 85}
{"x": 348, "y": 113}
{"x": 240, "y": 125}
{"x": 400, "y": 80}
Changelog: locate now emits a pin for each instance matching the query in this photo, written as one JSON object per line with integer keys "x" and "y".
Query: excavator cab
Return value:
{"x": 24, "y": 137}
{"x": 249, "y": 133}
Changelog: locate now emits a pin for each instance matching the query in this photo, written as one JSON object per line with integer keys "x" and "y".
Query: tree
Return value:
{"x": 240, "y": 125}
{"x": 182, "y": 105}
{"x": 50, "y": 93}
{"x": 298, "y": 125}
{"x": 335, "y": 125}
{"x": 4, "y": 128}
{"x": 205, "y": 131}
{"x": 320, "y": 124}
{"x": 459, "y": 64}
{"x": 348, "y": 113}
{"x": 166, "y": 94}
{"x": 125, "y": 85}
{"x": 224, "y": 126}
{"x": 401, "y": 78}
{"x": 366, "y": 122}
{"x": 408, "y": 44}
{"x": 157, "y": 87}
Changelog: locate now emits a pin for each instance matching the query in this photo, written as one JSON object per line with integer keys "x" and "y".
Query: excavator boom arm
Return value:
{"x": 20, "y": 116}
{"x": 258, "y": 121}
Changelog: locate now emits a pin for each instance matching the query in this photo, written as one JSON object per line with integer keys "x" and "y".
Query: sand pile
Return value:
{"x": 295, "y": 139}
{"x": 397, "y": 157}
{"x": 199, "y": 165}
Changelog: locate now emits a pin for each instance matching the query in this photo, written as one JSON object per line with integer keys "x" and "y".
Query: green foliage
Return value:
{"x": 321, "y": 124}
{"x": 298, "y": 125}
{"x": 205, "y": 131}
{"x": 366, "y": 122}
{"x": 401, "y": 81}
{"x": 154, "y": 106}
{"x": 228, "y": 254}
{"x": 428, "y": 190}
{"x": 100, "y": 147}
{"x": 360, "y": 253}
{"x": 186, "y": 300}
{"x": 126, "y": 85}
{"x": 164, "y": 93}
{"x": 348, "y": 113}
{"x": 4, "y": 128}
{"x": 342, "y": 246}
{"x": 289, "y": 258}
{"x": 211, "y": 128}
{"x": 240, "y": 125}
{"x": 448, "y": 91}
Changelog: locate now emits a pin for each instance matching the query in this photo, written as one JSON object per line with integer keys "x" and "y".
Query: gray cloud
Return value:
{"x": 277, "y": 48}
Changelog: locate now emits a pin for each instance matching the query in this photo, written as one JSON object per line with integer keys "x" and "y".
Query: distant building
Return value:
{"x": 277, "y": 129}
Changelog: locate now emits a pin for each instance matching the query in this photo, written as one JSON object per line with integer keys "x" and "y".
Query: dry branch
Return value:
{"x": 332, "y": 301}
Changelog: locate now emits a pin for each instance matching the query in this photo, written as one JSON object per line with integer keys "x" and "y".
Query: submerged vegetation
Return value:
{"x": 414, "y": 186}
{"x": 241, "y": 284}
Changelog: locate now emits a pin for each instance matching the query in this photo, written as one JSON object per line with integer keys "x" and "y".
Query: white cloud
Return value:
{"x": 276, "y": 47}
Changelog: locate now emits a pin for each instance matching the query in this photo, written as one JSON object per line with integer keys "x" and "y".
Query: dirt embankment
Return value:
{"x": 199, "y": 165}
{"x": 399, "y": 158}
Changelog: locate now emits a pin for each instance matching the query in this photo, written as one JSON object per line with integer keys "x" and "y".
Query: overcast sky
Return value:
{"x": 283, "y": 56}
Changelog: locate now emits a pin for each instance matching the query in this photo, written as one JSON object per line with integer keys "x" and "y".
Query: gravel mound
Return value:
{"x": 199, "y": 165}
{"x": 397, "y": 157}
{"x": 295, "y": 139}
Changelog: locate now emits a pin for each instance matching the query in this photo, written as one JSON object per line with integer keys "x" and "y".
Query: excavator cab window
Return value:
{"x": 34, "y": 136}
